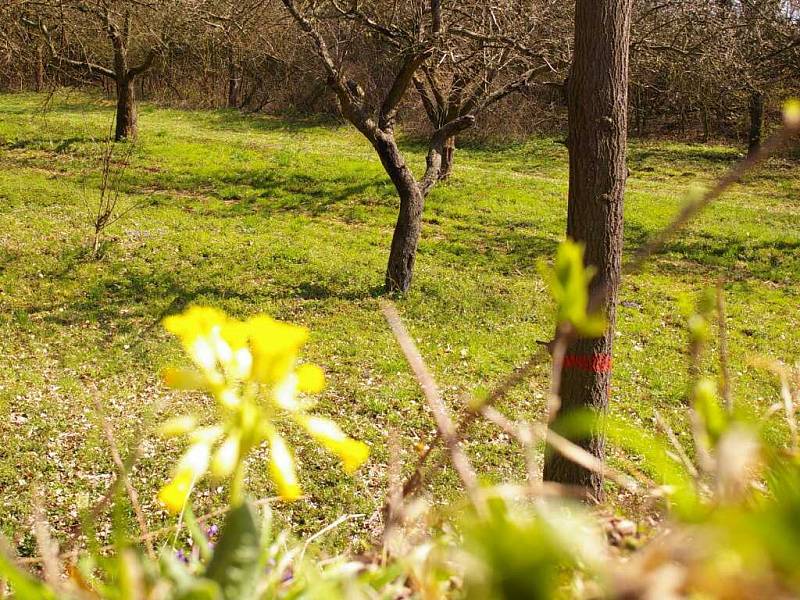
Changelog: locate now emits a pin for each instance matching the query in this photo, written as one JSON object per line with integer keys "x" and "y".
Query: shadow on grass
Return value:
{"x": 162, "y": 292}
{"x": 234, "y": 120}
{"x": 732, "y": 257}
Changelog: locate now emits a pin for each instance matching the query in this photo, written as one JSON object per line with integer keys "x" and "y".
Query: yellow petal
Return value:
{"x": 235, "y": 333}
{"x": 351, "y": 452}
{"x": 201, "y": 351}
{"x": 274, "y": 346}
{"x": 285, "y": 393}
{"x": 229, "y": 398}
{"x": 177, "y": 426}
{"x": 226, "y": 457}
{"x": 195, "y": 321}
{"x": 176, "y": 493}
{"x": 184, "y": 379}
{"x": 195, "y": 460}
{"x": 242, "y": 364}
{"x": 206, "y": 436}
{"x": 310, "y": 379}
{"x": 282, "y": 468}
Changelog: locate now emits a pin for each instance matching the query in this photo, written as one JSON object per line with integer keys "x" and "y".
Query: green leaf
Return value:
{"x": 24, "y": 585}
{"x": 187, "y": 585}
{"x": 708, "y": 407}
{"x": 568, "y": 281}
{"x": 235, "y": 564}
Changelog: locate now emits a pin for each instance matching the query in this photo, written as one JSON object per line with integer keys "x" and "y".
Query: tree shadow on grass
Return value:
{"x": 130, "y": 298}
{"x": 267, "y": 193}
{"x": 320, "y": 291}
{"x": 234, "y": 120}
{"x": 704, "y": 254}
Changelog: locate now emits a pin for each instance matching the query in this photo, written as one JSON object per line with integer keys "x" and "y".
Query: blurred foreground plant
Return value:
{"x": 250, "y": 368}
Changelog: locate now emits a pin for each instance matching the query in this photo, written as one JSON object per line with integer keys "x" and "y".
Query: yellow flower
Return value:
{"x": 310, "y": 379}
{"x": 197, "y": 321}
{"x": 226, "y": 457}
{"x": 351, "y": 452}
{"x": 177, "y": 426}
{"x": 282, "y": 468}
{"x": 175, "y": 494}
{"x": 274, "y": 346}
{"x": 243, "y": 363}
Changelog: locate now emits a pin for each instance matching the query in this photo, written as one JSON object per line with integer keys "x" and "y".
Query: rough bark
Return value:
{"x": 405, "y": 239}
{"x": 756, "y": 113}
{"x": 448, "y": 156}
{"x": 127, "y": 117}
{"x": 40, "y": 69}
{"x": 598, "y": 94}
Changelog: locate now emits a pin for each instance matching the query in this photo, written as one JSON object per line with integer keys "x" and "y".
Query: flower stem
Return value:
{"x": 237, "y": 485}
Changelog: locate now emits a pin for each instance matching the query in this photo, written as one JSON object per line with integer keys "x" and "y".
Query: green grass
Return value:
{"x": 294, "y": 219}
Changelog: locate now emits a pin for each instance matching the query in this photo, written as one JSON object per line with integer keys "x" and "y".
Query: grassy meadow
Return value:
{"x": 293, "y": 218}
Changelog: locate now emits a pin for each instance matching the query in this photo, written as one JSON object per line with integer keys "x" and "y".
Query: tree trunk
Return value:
{"x": 39, "y": 70}
{"x": 127, "y": 118}
{"x": 598, "y": 90}
{"x": 756, "y": 121}
{"x": 234, "y": 80}
{"x": 448, "y": 156}
{"x": 405, "y": 239}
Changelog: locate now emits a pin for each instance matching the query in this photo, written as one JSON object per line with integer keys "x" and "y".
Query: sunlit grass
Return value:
{"x": 256, "y": 214}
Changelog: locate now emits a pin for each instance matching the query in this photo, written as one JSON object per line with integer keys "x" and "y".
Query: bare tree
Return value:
{"x": 598, "y": 100}
{"x": 71, "y": 30}
{"x": 412, "y": 39}
{"x": 491, "y": 52}
{"x": 717, "y": 61}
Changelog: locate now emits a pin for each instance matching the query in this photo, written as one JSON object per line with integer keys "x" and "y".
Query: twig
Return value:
{"x": 700, "y": 437}
{"x": 412, "y": 483}
{"x": 326, "y": 529}
{"x": 48, "y": 548}
{"x": 394, "y": 497}
{"x": 788, "y": 406}
{"x": 724, "y": 367}
{"x": 122, "y": 471}
{"x": 444, "y": 425}
{"x": 563, "y": 446}
{"x": 673, "y": 439}
{"x": 519, "y": 431}
{"x": 692, "y": 208}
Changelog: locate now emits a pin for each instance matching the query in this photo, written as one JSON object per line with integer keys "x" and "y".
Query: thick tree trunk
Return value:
{"x": 448, "y": 156}
{"x": 756, "y": 121}
{"x": 405, "y": 239}
{"x": 127, "y": 118}
{"x": 598, "y": 96}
